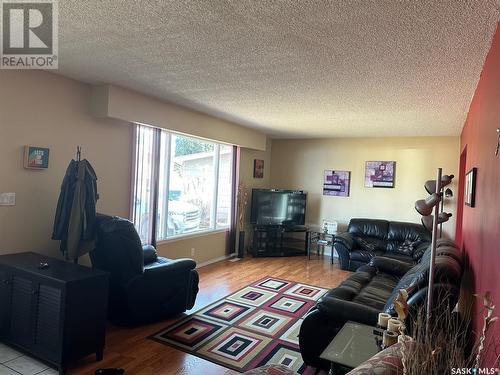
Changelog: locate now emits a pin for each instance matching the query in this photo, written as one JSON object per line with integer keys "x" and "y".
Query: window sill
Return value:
{"x": 187, "y": 236}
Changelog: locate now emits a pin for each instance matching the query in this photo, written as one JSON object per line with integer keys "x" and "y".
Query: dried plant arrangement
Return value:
{"x": 242, "y": 204}
{"x": 488, "y": 320}
{"x": 444, "y": 346}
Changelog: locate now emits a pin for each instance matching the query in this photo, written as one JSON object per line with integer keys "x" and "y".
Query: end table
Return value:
{"x": 316, "y": 237}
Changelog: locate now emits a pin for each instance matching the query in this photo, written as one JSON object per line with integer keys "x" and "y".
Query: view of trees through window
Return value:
{"x": 194, "y": 189}
{"x": 187, "y": 146}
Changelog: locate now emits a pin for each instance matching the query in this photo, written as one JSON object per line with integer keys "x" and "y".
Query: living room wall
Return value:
{"x": 300, "y": 164}
{"x": 480, "y": 227}
{"x": 49, "y": 110}
{"x": 246, "y": 176}
{"x": 44, "y": 109}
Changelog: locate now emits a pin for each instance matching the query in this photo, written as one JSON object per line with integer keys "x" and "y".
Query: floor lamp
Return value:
{"x": 430, "y": 186}
{"x": 425, "y": 207}
{"x": 448, "y": 193}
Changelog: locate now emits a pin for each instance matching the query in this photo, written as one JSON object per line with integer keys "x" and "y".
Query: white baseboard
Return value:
{"x": 215, "y": 260}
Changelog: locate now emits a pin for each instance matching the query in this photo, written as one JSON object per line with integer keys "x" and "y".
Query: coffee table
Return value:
{"x": 354, "y": 344}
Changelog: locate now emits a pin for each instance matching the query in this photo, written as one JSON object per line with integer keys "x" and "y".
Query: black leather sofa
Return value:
{"x": 372, "y": 289}
{"x": 143, "y": 286}
{"x": 366, "y": 238}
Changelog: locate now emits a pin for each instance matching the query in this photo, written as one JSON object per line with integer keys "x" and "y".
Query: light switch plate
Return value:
{"x": 7, "y": 199}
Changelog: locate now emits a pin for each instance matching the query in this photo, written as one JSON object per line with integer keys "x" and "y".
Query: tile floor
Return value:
{"x": 13, "y": 362}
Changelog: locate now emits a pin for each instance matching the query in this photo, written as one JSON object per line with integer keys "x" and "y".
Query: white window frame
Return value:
{"x": 214, "y": 227}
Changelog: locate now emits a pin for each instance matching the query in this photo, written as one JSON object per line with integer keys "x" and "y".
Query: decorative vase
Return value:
{"x": 241, "y": 244}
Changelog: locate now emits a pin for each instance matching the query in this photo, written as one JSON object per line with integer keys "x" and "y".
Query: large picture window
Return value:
{"x": 182, "y": 185}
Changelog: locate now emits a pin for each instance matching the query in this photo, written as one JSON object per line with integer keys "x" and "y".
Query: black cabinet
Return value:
{"x": 56, "y": 313}
{"x": 279, "y": 240}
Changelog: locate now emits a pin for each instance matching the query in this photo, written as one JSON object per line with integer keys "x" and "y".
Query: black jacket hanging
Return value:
{"x": 74, "y": 223}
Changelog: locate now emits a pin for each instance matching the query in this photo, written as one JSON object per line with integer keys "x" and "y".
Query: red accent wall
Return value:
{"x": 480, "y": 229}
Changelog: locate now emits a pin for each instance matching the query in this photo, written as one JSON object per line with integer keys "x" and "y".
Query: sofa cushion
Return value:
{"x": 399, "y": 232}
{"x": 368, "y": 228}
{"x": 369, "y": 243}
{"x": 390, "y": 266}
{"x": 367, "y": 287}
{"x": 364, "y": 255}
{"x": 376, "y": 293}
{"x": 365, "y": 244}
{"x": 401, "y": 257}
{"x": 407, "y": 248}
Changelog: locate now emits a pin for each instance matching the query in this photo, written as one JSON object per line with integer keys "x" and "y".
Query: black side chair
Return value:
{"x": 143, "y": 287}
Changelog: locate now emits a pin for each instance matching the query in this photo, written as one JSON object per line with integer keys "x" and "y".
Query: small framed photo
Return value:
{"x": 470, "y": 187}
{"x": 36, "y": 157}
{"x": 258, "y": 168}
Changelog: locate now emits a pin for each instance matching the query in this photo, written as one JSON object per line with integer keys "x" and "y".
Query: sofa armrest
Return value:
{"x": 390, "y": 266}
{"x": 163, "y": 290}
{"x": 170, "y": 265}
{"x": 342, "y": 311}
{"x": 150, "y": 255}
{"x": 343, "y": 244}
{"x": 345, "y": 239}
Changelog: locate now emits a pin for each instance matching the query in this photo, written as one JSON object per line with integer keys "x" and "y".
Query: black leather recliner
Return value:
{"x": 143, "y": 287}
{"x": 372, "y": 289}
{"x": 367, "y": 238}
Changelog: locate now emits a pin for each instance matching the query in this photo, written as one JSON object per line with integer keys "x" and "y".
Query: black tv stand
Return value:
{"x": 279, "y": 240}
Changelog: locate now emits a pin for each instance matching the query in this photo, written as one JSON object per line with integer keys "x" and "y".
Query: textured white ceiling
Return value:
{"x": 289, "y": 67}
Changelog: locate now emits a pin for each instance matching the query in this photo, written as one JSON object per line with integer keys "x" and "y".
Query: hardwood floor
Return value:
{"x": 129, "y": 348}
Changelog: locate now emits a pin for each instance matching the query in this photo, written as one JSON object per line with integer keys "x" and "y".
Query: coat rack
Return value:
{"x": 78, "y": 159}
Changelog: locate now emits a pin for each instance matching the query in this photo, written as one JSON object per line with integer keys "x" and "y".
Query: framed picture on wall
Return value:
{"x": 36, "y": 157}
{"x": 258, "y": 168}
{"x": 470, "y": 187}
{"x": 380, "y": 174}
{"x": 336, "y": 183}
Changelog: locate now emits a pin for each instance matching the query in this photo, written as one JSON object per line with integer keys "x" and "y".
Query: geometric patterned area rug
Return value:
{"x": 253, "y": 327}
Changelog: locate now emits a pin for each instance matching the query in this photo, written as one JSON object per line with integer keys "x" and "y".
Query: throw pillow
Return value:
{"x": 407, "y": 247}
{"x": 365, "y": 244}
{"x": 387, "y": 362}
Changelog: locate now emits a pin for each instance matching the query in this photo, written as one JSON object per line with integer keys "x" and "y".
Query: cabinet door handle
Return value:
{"x": 34, "y": 291}
{"x": 6, "y": 282}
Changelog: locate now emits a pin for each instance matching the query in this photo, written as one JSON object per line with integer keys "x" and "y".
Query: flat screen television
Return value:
{"x": 278, "y": 207}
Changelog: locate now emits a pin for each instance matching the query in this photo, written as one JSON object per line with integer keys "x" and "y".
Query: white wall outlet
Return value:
{"x": 7, "y": 199}
{"x": 193, "y": 251}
